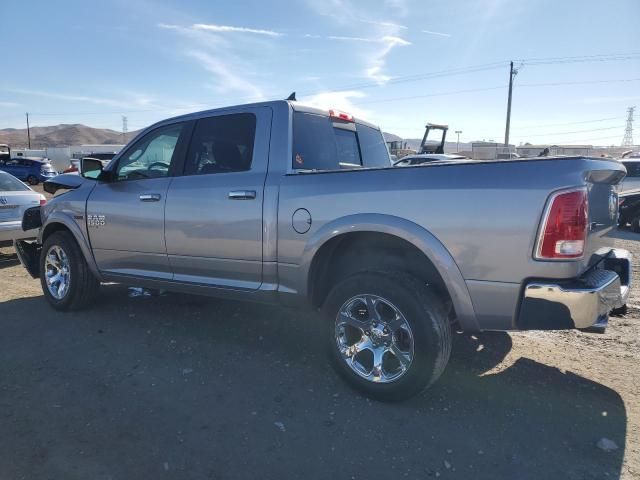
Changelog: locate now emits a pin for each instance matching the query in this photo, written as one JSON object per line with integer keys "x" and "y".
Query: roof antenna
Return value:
{"x": 292, "y": 97}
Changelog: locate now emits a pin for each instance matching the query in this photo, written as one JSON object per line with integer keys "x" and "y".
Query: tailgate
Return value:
{"x": 602, "y": 178}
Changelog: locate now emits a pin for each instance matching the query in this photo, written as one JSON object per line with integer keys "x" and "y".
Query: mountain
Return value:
{"x": 62, "y": 135}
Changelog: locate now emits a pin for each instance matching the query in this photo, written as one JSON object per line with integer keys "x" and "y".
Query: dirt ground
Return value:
{"x": 175, "y": 386}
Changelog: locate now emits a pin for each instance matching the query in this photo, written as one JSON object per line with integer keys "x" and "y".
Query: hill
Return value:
{"x": 62, "y": 135}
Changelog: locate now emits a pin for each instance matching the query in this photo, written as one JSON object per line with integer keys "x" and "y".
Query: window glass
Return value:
{"x": 633, "y": 169}
{"x": 347, "y": 147}
{"x": 151, "y": 156}
{"x": 374, "y": 150}
{"x": 314, "y": 145}
{"x": 222, "y": 144}
{"x": 11, "y": 184}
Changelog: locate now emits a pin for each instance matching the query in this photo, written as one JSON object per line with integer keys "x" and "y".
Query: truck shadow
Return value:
{"x": 8, "y": 259}
{"x": 205, "y": 388}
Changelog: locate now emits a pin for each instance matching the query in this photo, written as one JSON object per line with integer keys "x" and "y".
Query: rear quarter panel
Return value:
{"x": 486, "y": 214}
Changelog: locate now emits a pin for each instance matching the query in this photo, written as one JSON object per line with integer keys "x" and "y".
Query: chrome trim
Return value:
{"x": 578, "y": 303}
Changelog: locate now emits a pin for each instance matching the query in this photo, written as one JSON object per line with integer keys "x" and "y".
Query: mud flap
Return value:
{"x": 29, "y": 256}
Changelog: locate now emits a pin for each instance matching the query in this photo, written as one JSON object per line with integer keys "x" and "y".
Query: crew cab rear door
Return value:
{"x": 125, "y": 215}
{"x": 213, "y": 215}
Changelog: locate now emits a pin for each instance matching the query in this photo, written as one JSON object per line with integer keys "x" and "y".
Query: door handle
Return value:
{"x": 242, "y": 195}
{"x": 149, "y": 197}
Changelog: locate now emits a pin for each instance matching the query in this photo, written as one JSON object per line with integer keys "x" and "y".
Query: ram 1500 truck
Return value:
{"x": 279, "y": 202}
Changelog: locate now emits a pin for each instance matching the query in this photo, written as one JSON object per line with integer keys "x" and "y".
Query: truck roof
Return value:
{"x": 296, "y": 106}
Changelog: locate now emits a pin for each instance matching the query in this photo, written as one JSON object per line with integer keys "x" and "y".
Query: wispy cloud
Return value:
{"x": 438, "y": 34}
{"x": 226, "y": 78}
{"x": 75, "y": 98}
{"x": 353, "y": 39}
{"x": 227, "y": 28}
{"x": 9, "y": 105}
{"x": 378, "y": 60}
{"x": 342, "y": 100}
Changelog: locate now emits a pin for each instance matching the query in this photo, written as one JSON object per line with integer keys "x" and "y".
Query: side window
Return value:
{"x": 222, "y": 144}
{"x": 151, "y": 156}
{"x": 374, "y": 150}
{"x": 633, "y": 169}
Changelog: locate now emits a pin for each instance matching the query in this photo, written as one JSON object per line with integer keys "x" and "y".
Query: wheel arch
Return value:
{"x": 416, "y": 247}
{"x": 58, "y": 222}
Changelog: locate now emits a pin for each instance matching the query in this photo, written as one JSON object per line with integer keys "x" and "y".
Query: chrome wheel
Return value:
{"x": 57, "y": 272}
{"x": 374, "y": 338}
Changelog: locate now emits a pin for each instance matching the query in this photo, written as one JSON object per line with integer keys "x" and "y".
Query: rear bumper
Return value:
{"x": 581, "y": 302}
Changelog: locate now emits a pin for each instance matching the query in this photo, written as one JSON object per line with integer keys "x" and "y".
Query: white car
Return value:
{"x": 15, "y": 198}
{"x": 422, "y": 158}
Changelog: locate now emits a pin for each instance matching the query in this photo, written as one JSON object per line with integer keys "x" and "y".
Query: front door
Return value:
{"x": 213, "y": 217}
{"x": 125, "y": 215}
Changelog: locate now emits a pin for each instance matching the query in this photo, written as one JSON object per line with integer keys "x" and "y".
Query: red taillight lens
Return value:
{"x": 564, "y": 229}
{"x": 341, "y": 115}
{"x": 43, "y": 201}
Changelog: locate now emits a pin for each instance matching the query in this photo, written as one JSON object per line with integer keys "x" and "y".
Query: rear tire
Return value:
{"x": 635, "y": 224}
{"x": 32, "y": 180}
{"x": 67, "y": 282}
{"x": 422, "y": 336}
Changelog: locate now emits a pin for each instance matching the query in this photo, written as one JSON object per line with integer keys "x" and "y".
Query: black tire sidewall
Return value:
{"x": 68, "y": 244}
{"x": 635, "y": 224}
{"x": 32, "y": 180}
{"x": 422, "y": 310}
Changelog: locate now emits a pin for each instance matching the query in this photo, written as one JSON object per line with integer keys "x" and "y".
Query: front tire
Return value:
{"x": 67, "y": 281}
{"x": 389, "y": 334}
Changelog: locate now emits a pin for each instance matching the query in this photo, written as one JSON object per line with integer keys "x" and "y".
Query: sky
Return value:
{"x": 395, "y": 63}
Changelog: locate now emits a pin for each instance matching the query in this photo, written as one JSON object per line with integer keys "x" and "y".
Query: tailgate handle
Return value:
{"x": 242, "y": 195}
{"x": 149, "y": 197}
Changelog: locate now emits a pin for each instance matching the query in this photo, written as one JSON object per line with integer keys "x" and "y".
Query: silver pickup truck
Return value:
{"x": 279, "y": 202}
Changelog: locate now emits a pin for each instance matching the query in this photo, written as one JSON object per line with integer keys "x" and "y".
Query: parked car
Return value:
{"x": 31, "y": 170}
{"x": 629, "y": 209}
{"x": 632, "y": 180}
{"x": 422, "y": 158}
{"x": 284, "y": 203}
{"x": 15, "y": 198}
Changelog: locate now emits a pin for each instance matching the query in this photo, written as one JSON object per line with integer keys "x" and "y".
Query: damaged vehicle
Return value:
{"x": 283, "y": 203}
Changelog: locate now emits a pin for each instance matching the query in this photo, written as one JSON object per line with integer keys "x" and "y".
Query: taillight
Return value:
{"x": 341, "y": 115}
{"x": 43, "y": 201}
{"x": 564, "y": 227}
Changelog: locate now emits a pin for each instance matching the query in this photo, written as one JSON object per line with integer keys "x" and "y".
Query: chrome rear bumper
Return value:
{"x": 581, "y": 302}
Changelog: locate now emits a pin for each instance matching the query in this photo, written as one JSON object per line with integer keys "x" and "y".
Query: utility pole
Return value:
{"x": 28, "y": 131}
{"x": 124, "y": 129}
{"x": 512, "y": 73}
{"x": 458, "y": 142}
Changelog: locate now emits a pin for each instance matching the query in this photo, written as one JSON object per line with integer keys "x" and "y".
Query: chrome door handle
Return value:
{"x": 149, "y": 197}
{"x": 242, "y": 195}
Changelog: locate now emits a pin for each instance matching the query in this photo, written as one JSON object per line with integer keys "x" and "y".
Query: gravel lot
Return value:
{"x": 175, "y": 386}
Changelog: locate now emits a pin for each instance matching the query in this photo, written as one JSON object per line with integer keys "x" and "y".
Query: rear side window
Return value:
{"x": 222, "y": 144}
{"x": 323, "y": 143}
{"x": 633, "y": 169}
{"x": 373, "y": 148}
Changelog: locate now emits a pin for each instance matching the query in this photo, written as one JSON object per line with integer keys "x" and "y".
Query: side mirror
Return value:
{"x": 90, "y": 168}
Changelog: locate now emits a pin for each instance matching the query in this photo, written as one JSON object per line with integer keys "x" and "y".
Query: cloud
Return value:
{"x": 8, "y": 105}
{"x": 76, "y": 98}
{"x": 228, "y": 28}
{"x": 352, "y": 39}
{"x": 341, "y": 100}
{"x": 226, "y": 78}
{"x": 439, "y": 34}
{"x": 378, "y": 60}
